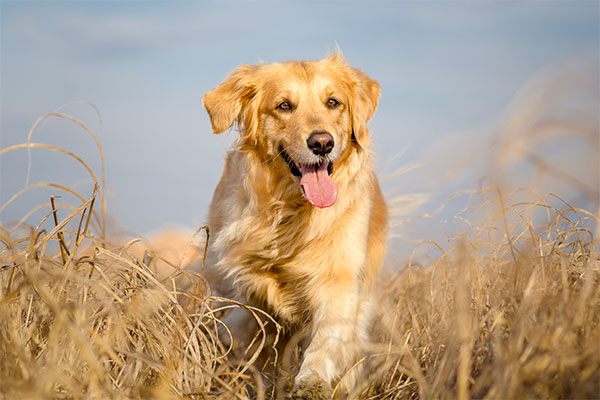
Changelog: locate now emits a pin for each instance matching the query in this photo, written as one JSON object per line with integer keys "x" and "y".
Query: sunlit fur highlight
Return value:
{"x": 311, "y": 268}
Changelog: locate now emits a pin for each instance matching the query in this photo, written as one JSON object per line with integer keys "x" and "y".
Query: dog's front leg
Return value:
{"x": 337, "y": 336}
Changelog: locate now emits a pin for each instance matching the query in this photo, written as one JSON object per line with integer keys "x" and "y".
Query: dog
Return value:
{"x": 298, "y": 222}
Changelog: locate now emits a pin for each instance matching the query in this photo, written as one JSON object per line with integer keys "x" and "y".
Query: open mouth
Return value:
{"x": 315, "y": 181}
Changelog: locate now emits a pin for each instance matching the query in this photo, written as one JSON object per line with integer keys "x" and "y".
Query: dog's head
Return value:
{"x": 309, "y": 115}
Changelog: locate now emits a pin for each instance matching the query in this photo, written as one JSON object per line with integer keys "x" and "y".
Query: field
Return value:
{"x": 508, "y": 308}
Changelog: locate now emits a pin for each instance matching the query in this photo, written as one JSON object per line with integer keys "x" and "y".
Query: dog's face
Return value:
{"x": 308, "y": 115}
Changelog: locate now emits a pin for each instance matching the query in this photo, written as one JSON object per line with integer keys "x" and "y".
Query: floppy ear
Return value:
{"x": 363, "y": 104}
{"x": 225, "y": 103}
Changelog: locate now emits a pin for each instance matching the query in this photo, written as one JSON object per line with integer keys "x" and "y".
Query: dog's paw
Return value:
{"x": 314, "y": 391}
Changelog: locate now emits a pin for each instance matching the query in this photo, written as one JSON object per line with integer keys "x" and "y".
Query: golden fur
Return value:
{"x": 309, "y": 267}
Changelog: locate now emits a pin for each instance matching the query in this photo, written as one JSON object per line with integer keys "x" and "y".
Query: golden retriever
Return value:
{"x": 298, "y": 219}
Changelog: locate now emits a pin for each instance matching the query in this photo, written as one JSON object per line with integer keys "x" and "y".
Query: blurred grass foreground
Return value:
{"x": 510, "y": 308}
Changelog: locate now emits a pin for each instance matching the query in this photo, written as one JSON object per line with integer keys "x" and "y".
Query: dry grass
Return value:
{"x": 510, "y": 310}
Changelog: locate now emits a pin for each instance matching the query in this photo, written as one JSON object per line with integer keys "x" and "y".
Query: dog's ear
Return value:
{"x": 226, "y": 102}
{"x": 363, "y": 104}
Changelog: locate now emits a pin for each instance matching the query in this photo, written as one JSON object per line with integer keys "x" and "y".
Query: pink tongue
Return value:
{"x": 318, "y": 187}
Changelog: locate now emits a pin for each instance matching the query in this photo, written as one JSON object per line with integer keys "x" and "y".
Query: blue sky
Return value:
{"x": 444, "y": 68}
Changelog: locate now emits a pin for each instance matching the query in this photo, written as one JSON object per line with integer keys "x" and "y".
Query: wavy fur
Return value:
{"x": 311, "y": 268}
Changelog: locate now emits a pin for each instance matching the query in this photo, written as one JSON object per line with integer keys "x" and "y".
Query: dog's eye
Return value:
{"x": 332, "y": 103}
{"x": 284, "y": 106}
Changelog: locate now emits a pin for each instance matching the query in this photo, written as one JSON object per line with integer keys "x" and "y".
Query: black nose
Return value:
{"x": 321, "y": 143}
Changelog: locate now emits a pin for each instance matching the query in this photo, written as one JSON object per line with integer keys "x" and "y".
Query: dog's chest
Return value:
{"x": 289, "y": 243}
{"x": 266, "y": 239}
